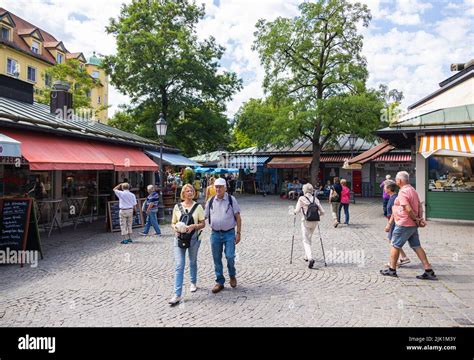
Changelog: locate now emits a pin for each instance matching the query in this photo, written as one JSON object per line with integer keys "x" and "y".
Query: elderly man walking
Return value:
{"x": 127, "y": 203}
{"x": 406, "y": 211}
{"x": 223, "y": 214}
{"x": 150, "y": 208}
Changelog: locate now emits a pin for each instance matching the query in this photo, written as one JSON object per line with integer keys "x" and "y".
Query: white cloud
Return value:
{"x": 412, "y": 59}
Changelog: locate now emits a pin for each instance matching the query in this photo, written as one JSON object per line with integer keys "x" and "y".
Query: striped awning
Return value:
{"x": 450, "y": 145}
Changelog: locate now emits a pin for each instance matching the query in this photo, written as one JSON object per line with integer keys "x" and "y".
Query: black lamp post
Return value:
{"x": 352, "y": 141}
{"x": 161, "y": 127}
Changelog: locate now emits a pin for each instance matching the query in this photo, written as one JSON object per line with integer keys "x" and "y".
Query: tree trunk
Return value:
{"x": 315, "y": 164}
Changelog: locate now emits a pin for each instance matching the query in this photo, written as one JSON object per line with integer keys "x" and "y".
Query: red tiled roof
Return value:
{"x": 23, "y": 27}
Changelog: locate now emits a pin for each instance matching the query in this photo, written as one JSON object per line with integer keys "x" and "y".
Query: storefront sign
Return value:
{"x": 10, "y": 160}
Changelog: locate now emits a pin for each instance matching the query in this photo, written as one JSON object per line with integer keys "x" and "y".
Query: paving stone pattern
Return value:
{"x": 89, "y": 279}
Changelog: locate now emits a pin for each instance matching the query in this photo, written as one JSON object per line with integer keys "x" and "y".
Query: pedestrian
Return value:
{"x": 223, "y": 214}
{"x": 231, "y": 184}
{"x": 127, "y": 204}
{"x": 390, "y": 189}
{"x": 190, "y": 207}
{"x": 407, "y": 214}
{"x": 210, "y": 190}
{"x": 335, "y": 200}
{"x": 38, "y": 189}
{"x": 385, "y": 196}
{"x": 150, "y": 209}
{"x": 345, "y": 200}
{"x": 308, "y": 227}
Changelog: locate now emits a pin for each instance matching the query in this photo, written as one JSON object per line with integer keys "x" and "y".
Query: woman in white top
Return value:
{"x": 308, "y": 227}
{"x": 187, "y": 195}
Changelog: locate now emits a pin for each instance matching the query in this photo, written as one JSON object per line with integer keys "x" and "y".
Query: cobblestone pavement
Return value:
{"x": 88, "y": 279}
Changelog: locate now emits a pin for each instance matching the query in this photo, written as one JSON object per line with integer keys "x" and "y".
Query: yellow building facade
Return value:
{"x": 26, "y": 51}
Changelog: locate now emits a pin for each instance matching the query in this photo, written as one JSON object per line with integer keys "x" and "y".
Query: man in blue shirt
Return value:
{"x": 150, "y": 208}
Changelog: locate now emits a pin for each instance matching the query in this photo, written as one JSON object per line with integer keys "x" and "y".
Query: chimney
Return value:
{"x": 459, "y": 67}
{"x": 61, "y": 100}
{"x": 15, "y": 89}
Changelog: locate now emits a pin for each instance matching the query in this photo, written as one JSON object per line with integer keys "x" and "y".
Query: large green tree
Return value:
{"x": 163, "y": 66}
{"x": 316, "y": 75}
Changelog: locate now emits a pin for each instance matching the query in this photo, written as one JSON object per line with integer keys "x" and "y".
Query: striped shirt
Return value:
{"x": 153, "y": 199}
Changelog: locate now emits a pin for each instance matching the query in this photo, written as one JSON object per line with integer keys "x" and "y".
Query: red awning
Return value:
{"x": 294, "y": 162}
{"x": 371, "y": 154}
{"x": 49, "y": 152}
{"x": 394, "y": 158}
{"x": 126, "y": 158}
{"x": 333, "y": 158}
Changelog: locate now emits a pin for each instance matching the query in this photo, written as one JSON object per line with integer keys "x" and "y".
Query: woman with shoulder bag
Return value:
{"x": 187, "y": 207}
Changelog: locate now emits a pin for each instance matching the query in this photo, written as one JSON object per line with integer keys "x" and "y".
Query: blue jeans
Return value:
{"x": 223, "y": 241}
{"x": 151, "y": 219}
{"x": 346, "y": 213}
{"x": 385, "y": 203}
{"x": 180, "y": 260}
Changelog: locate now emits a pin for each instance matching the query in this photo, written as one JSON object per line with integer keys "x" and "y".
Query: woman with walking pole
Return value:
{"x": 311, "y": 208}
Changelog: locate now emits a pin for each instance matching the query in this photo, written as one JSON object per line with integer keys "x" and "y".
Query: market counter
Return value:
{"x": 450, "y": 205}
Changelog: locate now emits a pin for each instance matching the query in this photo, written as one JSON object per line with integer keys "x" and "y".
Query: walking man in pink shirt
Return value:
{"x": 406, "y": 210}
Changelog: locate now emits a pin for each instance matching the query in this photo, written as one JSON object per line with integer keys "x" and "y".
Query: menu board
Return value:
{"x": 113, "y": 215}
{"x": 18, "y": 225}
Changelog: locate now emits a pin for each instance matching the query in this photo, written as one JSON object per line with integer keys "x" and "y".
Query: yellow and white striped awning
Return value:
{"x": 451, "y": 145}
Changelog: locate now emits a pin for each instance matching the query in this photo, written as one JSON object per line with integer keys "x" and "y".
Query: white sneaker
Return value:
{"x": 174, "y": 300}
{"x": 193, "y": 287}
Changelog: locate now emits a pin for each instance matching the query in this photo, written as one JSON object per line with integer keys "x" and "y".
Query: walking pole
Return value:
{"x": 322, "y": 247}
{"x": 293, "y": 239}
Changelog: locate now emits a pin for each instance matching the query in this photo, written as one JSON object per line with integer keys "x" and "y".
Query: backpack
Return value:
{"x": 312, "y": 214}
{"x": 184, "y": 239}
{"x": 210, "y": 206}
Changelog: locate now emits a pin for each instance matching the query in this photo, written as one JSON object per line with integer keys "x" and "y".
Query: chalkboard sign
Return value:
{"x": 113, "y": 216}
{"x": 19, "y": 225}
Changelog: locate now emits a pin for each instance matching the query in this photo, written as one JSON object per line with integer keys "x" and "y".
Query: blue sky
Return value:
{"x": 409, "y": 44}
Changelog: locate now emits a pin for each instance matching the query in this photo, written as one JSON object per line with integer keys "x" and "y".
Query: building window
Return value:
{"x": 13, "y": 68}
{"x": 5, "y": 33}
{"x": 59, "y": 58}
{"x": 35, "y": 47}
{"x": 31, "y": 74}
{"x": 98, "y": 99}
{"x": 47, "y": 80}
{"x": 95, "y": 74}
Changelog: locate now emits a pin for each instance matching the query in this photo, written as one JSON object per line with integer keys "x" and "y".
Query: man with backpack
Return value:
{"x": 223, "y": 214}
{"x": 312, "y": 209}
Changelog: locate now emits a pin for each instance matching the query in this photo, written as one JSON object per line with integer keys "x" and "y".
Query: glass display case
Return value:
{"x": 450, "y": 174}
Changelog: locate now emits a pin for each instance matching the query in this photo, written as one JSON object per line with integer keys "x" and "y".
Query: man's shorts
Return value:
{"x": 402, "y": 234}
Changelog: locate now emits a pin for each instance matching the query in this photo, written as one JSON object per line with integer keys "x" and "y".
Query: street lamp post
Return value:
{"x": 352, "y": 141}
{"x": 161, "y": 127}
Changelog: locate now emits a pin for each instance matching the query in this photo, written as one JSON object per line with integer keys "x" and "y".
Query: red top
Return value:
{"x": 345, "y": 195}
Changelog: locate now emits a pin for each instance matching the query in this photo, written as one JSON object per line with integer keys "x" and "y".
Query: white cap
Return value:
{"x": 220, "y": 181}
{"x": 387, "y": 177}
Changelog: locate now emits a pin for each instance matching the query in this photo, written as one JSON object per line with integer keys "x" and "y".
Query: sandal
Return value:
{"x": 427, "y": 276}
{"x": 402, "y": 262}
